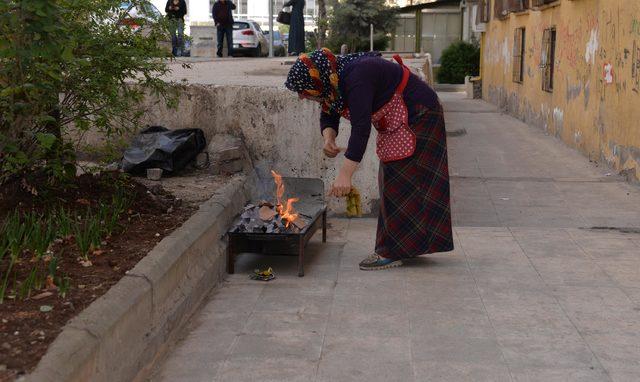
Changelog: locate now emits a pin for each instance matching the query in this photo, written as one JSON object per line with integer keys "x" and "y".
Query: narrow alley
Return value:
{"x": 544, "y": 283}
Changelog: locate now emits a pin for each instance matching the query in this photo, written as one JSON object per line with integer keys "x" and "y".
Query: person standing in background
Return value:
{"x": 223, "y": 18}
{"x": 175, "y": 10}
{"x": 296, "y": 31}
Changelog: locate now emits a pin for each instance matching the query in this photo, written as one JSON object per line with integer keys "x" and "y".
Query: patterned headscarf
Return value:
{"x": 318, "y": 75}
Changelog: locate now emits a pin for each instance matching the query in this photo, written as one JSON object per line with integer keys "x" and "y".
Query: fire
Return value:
{"x": 288, "y": 214}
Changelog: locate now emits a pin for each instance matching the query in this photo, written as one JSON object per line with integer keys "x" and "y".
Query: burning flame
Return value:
{"x": 288, "y": 214}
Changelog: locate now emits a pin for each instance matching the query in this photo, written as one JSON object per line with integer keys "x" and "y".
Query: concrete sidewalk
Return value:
{"x": 544, "y": 284}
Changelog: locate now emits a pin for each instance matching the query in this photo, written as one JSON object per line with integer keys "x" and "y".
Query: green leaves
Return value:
{"x": 350, "y": 24}
{"x": 459, "y": 60}
{"x": 68, "y": 65}
{"x": 46, "y": 140}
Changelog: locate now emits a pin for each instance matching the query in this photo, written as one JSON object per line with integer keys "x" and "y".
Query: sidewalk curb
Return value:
{"x": 120, "y": 334}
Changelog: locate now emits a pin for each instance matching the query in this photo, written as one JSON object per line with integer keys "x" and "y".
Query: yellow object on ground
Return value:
{"x": 354, "y": 206}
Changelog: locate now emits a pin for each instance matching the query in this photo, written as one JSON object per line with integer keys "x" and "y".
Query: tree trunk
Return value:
{"x": 322, "y": 23}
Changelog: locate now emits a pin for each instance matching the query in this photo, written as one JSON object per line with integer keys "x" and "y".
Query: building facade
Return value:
{"x": 570, "y": 67}
{"x": 431, "y": 26}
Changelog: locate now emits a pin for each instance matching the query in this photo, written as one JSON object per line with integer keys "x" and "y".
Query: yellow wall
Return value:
{"x": 600, "y": 119}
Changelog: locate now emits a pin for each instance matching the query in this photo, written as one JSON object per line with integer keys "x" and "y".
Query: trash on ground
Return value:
{"x": 266, "y": 275}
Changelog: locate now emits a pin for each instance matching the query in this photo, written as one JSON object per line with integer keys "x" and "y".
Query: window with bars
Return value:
{"x": 547, "y": 60}
{"x": 484, "y": 11}
{"x": 502, "y": 8}
{"x": 519, "y": 38}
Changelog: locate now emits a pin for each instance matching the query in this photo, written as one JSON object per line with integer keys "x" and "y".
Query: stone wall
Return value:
{"x": 280, "y": 132}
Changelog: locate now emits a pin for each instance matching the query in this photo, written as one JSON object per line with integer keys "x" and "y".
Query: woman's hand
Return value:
{"x": 330, "y": 148}
{"x": 342, "y": 185}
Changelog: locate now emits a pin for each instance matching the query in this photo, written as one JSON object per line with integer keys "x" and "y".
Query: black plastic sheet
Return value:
{"x": 159, "y": 147}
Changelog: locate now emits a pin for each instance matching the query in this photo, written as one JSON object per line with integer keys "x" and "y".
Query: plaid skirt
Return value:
{"x": 415, "y": 210}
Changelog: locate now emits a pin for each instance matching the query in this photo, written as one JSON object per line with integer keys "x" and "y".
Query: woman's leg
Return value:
{"x": 382, "y": 258}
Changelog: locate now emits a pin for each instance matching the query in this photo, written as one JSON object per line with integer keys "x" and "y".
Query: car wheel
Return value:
{"x": 257, "y": 52}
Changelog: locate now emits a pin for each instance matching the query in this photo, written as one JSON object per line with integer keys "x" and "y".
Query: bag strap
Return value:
{"x": 405, "y": 74}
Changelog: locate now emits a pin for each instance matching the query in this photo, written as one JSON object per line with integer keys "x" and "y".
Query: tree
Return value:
{"x": 351, "y": 20}
{"x": 71, "y": 66}
{"x": 322, "y": 23}
{"x": 459, "y": 60}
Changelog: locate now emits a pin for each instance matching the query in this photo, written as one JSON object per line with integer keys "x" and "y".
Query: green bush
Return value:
{"x": 67, "y": 67}
{"x": 459, "y": 60}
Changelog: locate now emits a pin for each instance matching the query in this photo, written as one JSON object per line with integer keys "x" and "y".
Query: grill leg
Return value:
{"x": 324, "y": 226}
{"x": 300, "y": 257}
{"x": 230, "y": 257}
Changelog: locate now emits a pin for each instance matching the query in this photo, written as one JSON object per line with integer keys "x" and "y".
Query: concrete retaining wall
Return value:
{"x": 280, "y": 131}
{"x": 119, "y": 335}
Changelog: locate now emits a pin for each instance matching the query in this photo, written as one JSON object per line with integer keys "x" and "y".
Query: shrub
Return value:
{"x": 71, "y": 66}
{"x": 459, "y": 60}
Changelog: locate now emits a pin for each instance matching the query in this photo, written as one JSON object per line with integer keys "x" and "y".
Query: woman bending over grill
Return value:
{"x": 415, "y": 214}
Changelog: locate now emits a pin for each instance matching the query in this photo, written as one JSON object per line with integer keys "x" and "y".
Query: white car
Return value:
{"x": 248, "y": 38}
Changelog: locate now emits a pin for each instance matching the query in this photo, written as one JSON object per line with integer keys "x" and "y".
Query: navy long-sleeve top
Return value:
{"x": 368, "y": 84}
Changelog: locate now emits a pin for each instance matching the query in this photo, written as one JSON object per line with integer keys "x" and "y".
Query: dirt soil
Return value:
{"x": 26, "y": 330}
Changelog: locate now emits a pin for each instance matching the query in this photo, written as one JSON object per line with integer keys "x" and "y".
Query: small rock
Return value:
{"x": 81, "y": 286}
{"x": 169, "y": 210}
{"x": 231, "y": 167}
{"x": 86, "y": 263}
{"x": 6, "y": 346}
{"x": 16, "y": 333}
{"x": 45, "y": 308}
{"x": 157, "y": 235}
{"x": 4, "y": 321}
{"x": 3, "y": 367}
{"x": 202, "y": 160}
{"x": 229, "y": 154}
{"x": 42, "y": 295}
{"x": 154, "y": 173}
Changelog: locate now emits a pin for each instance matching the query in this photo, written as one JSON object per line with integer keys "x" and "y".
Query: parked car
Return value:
{"x": 137, "y": 15}
{"x": 248, "y": 38}
{"x": 279, "y": 49}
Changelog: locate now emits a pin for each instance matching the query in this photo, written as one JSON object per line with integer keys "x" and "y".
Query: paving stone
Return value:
{"x": 365, "y": 359}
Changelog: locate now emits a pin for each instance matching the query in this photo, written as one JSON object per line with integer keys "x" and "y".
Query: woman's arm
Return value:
{"x": 359, "y": 89}
{"x": 329, "y": 123}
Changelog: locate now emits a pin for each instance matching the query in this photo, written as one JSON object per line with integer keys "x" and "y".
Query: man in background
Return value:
{"x": 175, "y": 10}
{"x": 223, "y": 19}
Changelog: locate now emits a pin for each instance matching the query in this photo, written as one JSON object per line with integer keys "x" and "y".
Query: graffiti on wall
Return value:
{"x": 608, "y": 73}
{"x": 592, "y": 48}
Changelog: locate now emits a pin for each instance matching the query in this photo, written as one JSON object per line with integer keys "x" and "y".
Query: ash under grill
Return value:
{"x": 261, "y": 228}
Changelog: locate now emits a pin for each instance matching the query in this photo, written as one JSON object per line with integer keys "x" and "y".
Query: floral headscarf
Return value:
{"x": 318, "y": 75}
